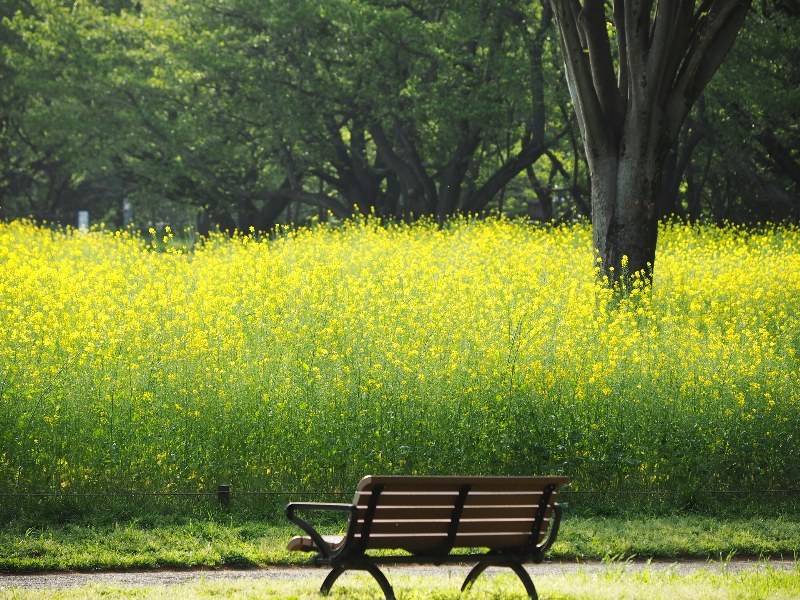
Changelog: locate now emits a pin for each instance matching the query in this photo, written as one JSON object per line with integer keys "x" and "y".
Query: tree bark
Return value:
{"x": 631, "y": 103}
{"x": 624, "y": 231}
{"x": 677, "y": 165}
{"x": 414, "y": 191}
{"x": 452, "y": 178}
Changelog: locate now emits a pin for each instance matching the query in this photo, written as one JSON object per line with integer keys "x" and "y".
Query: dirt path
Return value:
{"x": 170, "y": 577}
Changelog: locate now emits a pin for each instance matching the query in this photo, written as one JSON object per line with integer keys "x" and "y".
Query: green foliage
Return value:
{"x": 254, "y": 112}
{"x": 242, "y": 108}
{"x": 739, "y": 150}
{"x": 301, "y": 363}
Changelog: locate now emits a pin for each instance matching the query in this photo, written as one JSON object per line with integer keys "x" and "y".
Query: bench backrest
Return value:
{"x": 435, "y": 514}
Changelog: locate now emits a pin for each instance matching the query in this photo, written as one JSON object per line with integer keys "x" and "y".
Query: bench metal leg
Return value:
{"x": 473, "y": 575}
{"x": 514, "y": 566}
{"x": 382, "y": 581}
{"x": 330, "y": 580}
{"x": 371, "y": 569}
{"x": 525, "y": 579}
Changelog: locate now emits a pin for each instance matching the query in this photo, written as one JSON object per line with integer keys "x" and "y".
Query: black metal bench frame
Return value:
{"x": 349, "y": 552}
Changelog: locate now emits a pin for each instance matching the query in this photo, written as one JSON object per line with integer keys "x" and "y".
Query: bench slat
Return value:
{"x": 416, "y": 543}
{"x": 441, "y": 526}
{"x": 498, "y": 499}
{"x": 445, "y": 511}
{"x": 494, "y": 540}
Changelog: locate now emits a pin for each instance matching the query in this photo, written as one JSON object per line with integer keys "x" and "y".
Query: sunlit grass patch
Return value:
{"x": 189, "y": 543}
{"x": 616, "y": 582}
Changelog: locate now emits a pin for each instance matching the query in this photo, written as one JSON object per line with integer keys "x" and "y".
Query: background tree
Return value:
{"x": 402, "y": 108}
{"x": 253, "y": 112}
{"x": 634, "y": 71}
{"x": 751, "y": 111}
{"x": 243, "y": 108}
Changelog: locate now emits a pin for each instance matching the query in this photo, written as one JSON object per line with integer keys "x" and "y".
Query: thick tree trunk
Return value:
{"x": 624, "y": 217}
{"x": 630, "y": 102}
{"x": 626, "y": 177}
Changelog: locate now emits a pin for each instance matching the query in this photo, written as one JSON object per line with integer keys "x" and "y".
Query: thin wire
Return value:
{"x": 102, "y": 494}
{"x": 307, "y": 493}
{"x": 667, "y": 492}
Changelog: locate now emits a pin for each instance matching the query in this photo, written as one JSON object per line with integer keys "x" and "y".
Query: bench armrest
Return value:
{"x": 325, "y": 548}
{"x": 557, "y": 512}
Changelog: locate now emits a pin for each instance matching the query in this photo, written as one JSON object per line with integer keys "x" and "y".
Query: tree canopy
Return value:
{"x": 249, "y": 113}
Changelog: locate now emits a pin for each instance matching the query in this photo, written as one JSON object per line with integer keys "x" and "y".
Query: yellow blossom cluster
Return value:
{"x": 306, "y": 359}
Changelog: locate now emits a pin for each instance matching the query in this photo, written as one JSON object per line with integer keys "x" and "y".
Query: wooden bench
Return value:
{"x": 514, "y": 520}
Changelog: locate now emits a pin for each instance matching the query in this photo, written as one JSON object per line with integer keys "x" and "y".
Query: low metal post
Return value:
{"x": 224, "y": 495}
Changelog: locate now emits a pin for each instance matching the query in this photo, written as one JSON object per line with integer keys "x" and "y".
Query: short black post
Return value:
{"x": 224, "y": 495}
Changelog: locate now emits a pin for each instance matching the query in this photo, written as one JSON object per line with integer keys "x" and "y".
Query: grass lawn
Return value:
{"x": 159, "y": 542}
{"x": 617, "y": 582}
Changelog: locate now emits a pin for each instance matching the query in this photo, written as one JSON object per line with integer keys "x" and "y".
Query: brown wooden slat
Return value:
{"x": 503, "y": 500}
{"x": 454, "y": 483}
{"x": 494, "y": 541}
{"x": 499, "y": 499}
{"x": 401, "y": 513}
{"x": 524, "y": 526}
{"x": 441, "y": 526}
{"x": 413, "y": 543}
{"x": 445, "y": 512}
{"x": 410, "y": 499}
{"x": 510, "y": 512}
{"x": 410, "y": 528}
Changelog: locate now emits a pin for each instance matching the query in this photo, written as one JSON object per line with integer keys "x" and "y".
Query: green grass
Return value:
{"x": 615, "y": 583}
{"x": 243, "y": 543}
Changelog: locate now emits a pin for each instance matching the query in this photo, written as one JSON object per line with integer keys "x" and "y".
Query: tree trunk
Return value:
{"x": 452, "y": 178}
{"x": 624, "y": 216}
{"x": 630, "y": 103}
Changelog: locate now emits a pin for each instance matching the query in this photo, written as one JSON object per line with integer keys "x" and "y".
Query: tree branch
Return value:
{"x": 320, "y": 200}
{"x": 637, "y": 43}
{"x": 453, "y": 174}
{"x": 412, "y": 187}
{"x": 670, "y": 32}
{"x": 710, "y": 40}
{"x": 781, "y": 155}
{"x": 593, "y": 22}
{"x": 623, "y": 76}
{"x": 529, "y": 154}
{"x": 594, "y": 129}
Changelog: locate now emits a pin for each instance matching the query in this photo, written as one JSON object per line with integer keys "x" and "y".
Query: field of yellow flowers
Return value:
{"x": 306, "y": 360}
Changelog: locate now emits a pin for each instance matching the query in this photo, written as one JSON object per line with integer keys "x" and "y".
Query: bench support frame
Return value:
{"x": 372, "y": 569}
{"x": 348, "y": 557}
{"x": 370, "y": 565}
